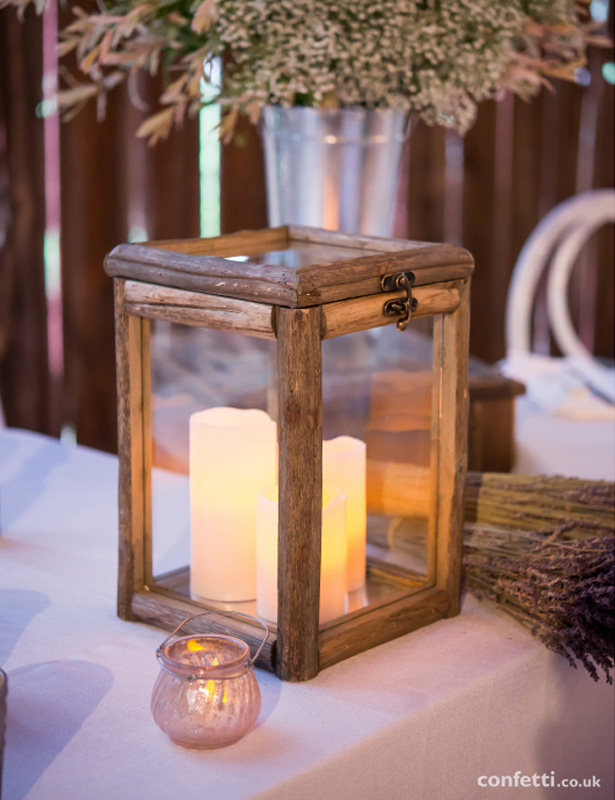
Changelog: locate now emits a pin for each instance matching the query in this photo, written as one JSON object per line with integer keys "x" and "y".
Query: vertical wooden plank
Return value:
{"x": 426, "y": 184}
{"x": 243, "y": 202}
{"x": 491, "y": 445}
{"x": 569, "y": 100}
{"x": 487, "y": 232}
{"x": 525, "y": 171}
{"x": 547, "y": 199}
{"x": 585, "y": 275}
{"x": 426, "y": 190}
{"x": 532, "y": 176}
{"x": 172, "y": 193}
{"x": 400, "y": 216}
{"x": 544, "y": 172}
{"x": 549, "y": 112}
{"x": 502, "y": 260}
{"x": 453, "y": 452}
{"x": 24, "y": 368}
{"x": 479, "y": 226}
{"x": 453, "y": 191}
{"x": 52, "y": 222}
{"x": 165, "y": 180}
{"x": 94, "y": 220}
{"x": 300, "y": 481}
{"x": 131, "y": 487}
{"x": 582, "y": 293}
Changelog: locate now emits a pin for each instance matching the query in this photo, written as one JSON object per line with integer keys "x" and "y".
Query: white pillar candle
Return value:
{"x": 344, "y": 465}
{"x": 332, "y": 556}
{"x": 232, "y": 457}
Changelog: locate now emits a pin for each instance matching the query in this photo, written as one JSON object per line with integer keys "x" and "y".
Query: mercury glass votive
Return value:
{"x": 206, "y": 695}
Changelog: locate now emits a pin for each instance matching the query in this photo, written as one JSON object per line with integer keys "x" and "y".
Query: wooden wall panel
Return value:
{"x": 93, "y": 182}
{"x": 581, "y": 294}
{"x": 109, "y": 180}
{"x": 479, "y": 228}
{"x": 426, "y": 182}
{"x": 502, "y": 206}
{"x": 93, "y": 221}
{"x": 487, "y": 192}
{"x": 169, "y": 191}
{"x": 525, "y": 192}
{"x": 24, "y": 370}
{"x": 243, "y": 204}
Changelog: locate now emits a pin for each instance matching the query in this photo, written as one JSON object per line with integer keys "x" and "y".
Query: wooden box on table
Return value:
{"x": 330, "y": 307}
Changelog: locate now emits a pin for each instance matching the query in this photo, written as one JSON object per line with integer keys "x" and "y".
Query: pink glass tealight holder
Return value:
{"x": 206, "y": 695}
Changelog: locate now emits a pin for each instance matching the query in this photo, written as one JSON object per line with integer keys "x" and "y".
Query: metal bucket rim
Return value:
{"x": 272, "y": 113}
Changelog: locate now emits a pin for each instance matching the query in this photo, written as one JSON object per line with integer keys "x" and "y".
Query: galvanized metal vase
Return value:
{"x": 333, "y": 168}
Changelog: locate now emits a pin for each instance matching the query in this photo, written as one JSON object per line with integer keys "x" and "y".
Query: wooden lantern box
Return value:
{"x": 300, "y": 287}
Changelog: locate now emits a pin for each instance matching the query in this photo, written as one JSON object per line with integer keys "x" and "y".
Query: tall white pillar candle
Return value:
{"x": 344, "y": 465}
{"x": 232, "y": 457}
{"x": 333, "y": 587}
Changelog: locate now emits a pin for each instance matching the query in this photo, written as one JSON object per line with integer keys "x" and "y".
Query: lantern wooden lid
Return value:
{"x": 289, "y": 266}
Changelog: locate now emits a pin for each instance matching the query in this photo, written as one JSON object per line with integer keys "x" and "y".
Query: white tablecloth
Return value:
{"x": 548, "y": 444}
{"x": 420, "y": 718}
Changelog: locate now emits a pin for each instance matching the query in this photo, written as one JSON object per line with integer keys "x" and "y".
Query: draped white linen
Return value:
{"x": 422, "y": 717}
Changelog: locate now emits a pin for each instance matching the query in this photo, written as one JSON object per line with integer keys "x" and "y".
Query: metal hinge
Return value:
{"x": 401, "y": 307}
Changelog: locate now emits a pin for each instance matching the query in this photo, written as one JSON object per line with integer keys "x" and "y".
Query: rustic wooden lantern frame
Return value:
{"x": 191, "y": 282}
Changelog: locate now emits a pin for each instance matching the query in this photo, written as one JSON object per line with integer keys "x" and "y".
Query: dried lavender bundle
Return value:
{"x": 536, "y": 502}
{"x": 562, "y": 590}
{"x": 542, "y": 548}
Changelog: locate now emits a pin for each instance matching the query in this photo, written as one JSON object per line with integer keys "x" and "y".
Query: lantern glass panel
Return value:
{"x": 378, "y": 388}
{"x": 202, "y": 458}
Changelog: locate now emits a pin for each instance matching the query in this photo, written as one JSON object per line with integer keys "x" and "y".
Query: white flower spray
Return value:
{"x": 436, "y": 58}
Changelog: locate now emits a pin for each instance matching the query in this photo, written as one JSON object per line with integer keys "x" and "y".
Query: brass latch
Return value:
{"x": 401, "y": 307}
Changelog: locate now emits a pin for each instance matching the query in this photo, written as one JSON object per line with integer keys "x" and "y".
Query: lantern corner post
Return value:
{"x": 452, "y": 352}
{"x": 134, "y": 450}
{"x": 300, "y": 491}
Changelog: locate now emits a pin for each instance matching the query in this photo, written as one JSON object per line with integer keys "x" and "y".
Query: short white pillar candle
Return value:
{"x": 333, "y": 587}
{"x": 232, "y": 457}
{"x": 344, "y": 465}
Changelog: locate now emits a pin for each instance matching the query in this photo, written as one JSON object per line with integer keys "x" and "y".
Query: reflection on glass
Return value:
{"x": 344, "y": 465}
{"x": 378, "y": 396}
{"x": 378, "y": 387}
{"x": 193, "y": 370}
{"x": 333, "y": 583}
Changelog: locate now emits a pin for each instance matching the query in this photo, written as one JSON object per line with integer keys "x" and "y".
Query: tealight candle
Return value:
{"x": 206, "y": 695}
{"x": 333, "y": 586}
{"x": 232, "y": 457}
{"x": 344, "y": 465}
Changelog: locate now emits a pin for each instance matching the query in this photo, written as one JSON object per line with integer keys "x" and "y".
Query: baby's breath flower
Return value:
{"x": 435, "y": 58}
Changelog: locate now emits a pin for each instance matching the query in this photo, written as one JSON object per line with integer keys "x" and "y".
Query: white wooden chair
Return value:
{"x": 557, "y": 240}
